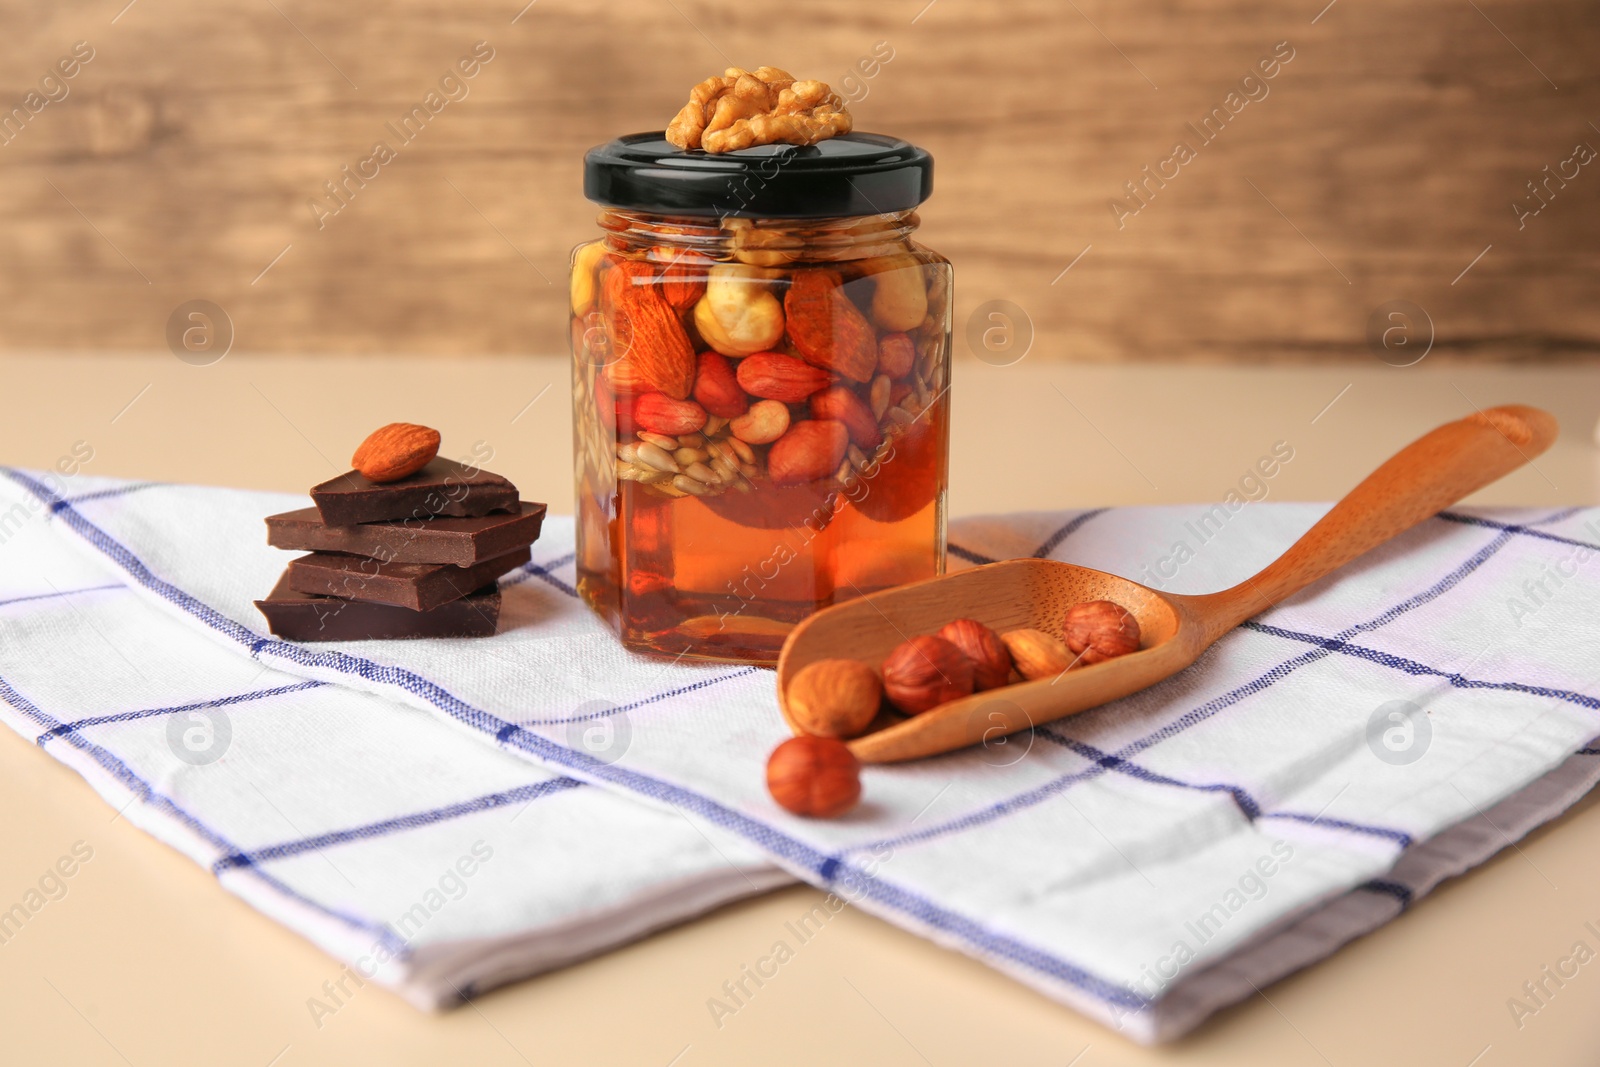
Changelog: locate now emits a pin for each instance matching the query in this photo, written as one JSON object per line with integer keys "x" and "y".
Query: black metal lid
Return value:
{"x": 852, "y": 174}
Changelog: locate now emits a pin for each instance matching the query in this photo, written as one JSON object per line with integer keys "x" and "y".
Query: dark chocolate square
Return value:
{"x": 443, "y": 487}
{"x": 306, "y": 617}
{"x": 417, "y": 586}
{"x": 462, "y": 542}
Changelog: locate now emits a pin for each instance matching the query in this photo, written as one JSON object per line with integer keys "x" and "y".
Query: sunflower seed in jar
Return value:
{"x": 691, "y": 440}
{"x": 858, "y": 458}
{"x": 686, "y": 456}
{"x": 701, "y": 473}
{"x": 659, "y": 440}
{"x": 749, "y": 470}
{"x": 897, "y": 415}
{"x": 726, "y": 471}
{"x": 714, "y": 425}
{"x": 671, "y": 490}
{"x": 745, "y": 453}
{"x": 655, "y": 456}
{"x": 878, "y": 396}
{"x": 685, "y": 484}
{"x": 628, "y": 452}
{"x": 645, "y": 475}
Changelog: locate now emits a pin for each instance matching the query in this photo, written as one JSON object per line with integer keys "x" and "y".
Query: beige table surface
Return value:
{"x": 147, "y": 961}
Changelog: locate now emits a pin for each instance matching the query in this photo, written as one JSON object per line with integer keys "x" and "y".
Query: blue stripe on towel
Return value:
{"x": 608, "y": 710}
{"x": 969, "y": 555}
{"x": 1051, "y": 543}
{"x": 1388, "y": 888}
{"x": 1247, "y": 804}
{"x": 384, "y": 827}
{"x": 116, "y": 490}
{"x": 1411, "y": 666}
{"x": 1399, "y": 837}
{"x": 1067, "y": 529}
{"x": 59, "y": 593}
{"x": 1241, "y": 796}
{"x": 1524, "y": 529}
{"x": 534, "y": 569}
{"x": 129, "y": 716}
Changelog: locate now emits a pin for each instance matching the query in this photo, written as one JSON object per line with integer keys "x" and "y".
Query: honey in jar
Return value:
{"x": 761, "y": 369}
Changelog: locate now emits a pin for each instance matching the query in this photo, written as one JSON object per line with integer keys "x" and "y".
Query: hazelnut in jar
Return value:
{"x": 761, "y": 388}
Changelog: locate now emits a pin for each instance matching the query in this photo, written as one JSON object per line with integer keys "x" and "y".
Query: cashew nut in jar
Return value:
{"x": 738, "y": 315}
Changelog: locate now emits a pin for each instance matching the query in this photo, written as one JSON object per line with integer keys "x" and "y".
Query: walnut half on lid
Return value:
{"x": 741, "y": 109}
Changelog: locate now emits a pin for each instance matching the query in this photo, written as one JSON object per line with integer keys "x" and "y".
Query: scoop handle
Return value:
{"x": 1416, "y": 483}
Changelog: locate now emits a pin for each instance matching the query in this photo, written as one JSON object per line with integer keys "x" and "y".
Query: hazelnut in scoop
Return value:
{"x": 834, "y": 698}
{"x": 991, "y": 663}
{"x": 1098, "y": 630}
{"x": 924, "y": 672}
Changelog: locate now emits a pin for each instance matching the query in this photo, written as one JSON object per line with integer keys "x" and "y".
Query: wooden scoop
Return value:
{"x": 1425, "y": 477}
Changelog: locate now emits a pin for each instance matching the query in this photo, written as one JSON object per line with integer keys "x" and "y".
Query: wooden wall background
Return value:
{"x": 1391, "y": 149}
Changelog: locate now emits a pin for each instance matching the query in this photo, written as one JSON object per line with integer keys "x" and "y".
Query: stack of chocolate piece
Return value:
{"x": 410, "y": 556}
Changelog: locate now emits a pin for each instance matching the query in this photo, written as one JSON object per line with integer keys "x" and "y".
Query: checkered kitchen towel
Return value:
{"x": 422, "y": 859}
{"x": 1146, "y": 862}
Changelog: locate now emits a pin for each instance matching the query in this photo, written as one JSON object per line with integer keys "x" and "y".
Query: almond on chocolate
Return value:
{"x": 391, "y": 452}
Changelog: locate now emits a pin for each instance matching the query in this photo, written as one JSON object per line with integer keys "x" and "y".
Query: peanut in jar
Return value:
{"x": 761, "y": 402}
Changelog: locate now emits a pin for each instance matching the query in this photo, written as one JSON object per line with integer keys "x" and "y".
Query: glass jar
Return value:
{"x": 760, "y": 386}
